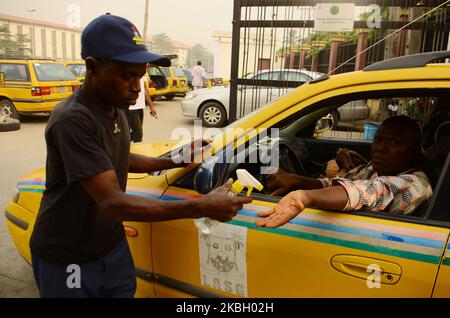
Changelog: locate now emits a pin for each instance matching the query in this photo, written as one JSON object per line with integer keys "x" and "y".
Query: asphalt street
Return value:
{"x": 24, "y": 150}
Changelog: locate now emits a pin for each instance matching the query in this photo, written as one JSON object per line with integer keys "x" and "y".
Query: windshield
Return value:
{"x": 46, "y": 72}
{"x": 79, "y": 70}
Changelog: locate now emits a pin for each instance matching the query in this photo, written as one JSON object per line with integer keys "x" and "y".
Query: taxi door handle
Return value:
{"x": 363, "y": 267}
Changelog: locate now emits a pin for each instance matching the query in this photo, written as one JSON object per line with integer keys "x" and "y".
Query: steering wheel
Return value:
{"x": 289, "y": 160}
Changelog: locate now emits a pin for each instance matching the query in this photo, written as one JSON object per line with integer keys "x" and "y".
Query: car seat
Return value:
{"x": 436, "y": 154}
{"x": 434, "y": 160}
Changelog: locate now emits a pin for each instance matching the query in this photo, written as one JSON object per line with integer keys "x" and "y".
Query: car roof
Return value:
{"x": 408, "y": 61}
{"x": 74, "y": 63}
{"x": 29, "y": 61}
{"x": 312, "y": 74}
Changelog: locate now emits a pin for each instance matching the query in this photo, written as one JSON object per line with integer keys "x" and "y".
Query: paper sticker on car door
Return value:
{"x": 223, "y": 263}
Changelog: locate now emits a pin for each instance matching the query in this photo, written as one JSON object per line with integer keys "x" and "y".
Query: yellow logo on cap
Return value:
{"x": 137, "y": 37}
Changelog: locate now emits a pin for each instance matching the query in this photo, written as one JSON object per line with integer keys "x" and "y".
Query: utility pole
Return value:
{"x": 146, "y": 20}
{"x": 32, "y": 33}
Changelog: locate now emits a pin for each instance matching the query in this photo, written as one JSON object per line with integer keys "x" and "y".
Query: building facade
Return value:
{"x": 257, "y": 59}
{"x": 48, "y": 40}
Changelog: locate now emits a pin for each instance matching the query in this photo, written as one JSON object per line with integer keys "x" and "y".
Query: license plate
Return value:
{"x": 61, "y": 89}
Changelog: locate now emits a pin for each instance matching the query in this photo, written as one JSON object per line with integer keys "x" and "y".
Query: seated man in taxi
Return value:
{"x": 390, "y": 183}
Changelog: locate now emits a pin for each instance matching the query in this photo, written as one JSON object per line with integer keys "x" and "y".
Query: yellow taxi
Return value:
{"x": 34, "y": 86}
{"x": 177, "y": 81}
{"x": 78, "y": 69}
{"x": 319, "y": 253}
{"x": 157, "y": 84}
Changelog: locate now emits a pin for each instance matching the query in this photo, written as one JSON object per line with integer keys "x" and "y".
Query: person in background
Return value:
{"x": 393, "y": 108}
{"x": 136, "y": 112}
{"x": 198, "y": 75}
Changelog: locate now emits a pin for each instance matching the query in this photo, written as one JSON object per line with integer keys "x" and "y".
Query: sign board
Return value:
{"x": 334, "y": 17}
{"x": 223, "y": 259}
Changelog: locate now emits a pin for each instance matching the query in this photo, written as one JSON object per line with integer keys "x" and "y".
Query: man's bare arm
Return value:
{"x": 330, "y": 198}
{"x": 144, "y": 164}
{"x": 105, "y": 191}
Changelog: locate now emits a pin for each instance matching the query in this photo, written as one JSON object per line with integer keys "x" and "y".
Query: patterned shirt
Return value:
{"x": 393, "y": 194}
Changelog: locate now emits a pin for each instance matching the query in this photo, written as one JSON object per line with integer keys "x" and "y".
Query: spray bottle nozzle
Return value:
{"x": 246, "y": 180}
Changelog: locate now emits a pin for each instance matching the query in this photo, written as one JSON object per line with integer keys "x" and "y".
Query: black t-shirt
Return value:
{"x": 81, "y": 142}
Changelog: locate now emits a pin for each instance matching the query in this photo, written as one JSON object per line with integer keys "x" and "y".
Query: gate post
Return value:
{"x": 334, "y": 49}
{"x": 303, "y": 52}
{"x": 235, "y": 60}
{"x": 361, "y": 59}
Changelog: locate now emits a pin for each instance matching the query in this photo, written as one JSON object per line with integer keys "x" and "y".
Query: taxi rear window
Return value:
{"x": 77, "y": 69}
{"x": 178, "y": 72}
{"x": 155, "y": 71}
{"x": 166, "y": 72}
{"x": 46, "y": 72}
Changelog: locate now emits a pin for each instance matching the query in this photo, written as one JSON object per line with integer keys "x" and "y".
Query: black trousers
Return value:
{"x": 136, "y": 119}
{"x": 113, "y": 276}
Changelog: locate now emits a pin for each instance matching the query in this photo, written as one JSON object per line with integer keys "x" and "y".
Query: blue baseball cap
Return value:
{"x": 116, "y": 38}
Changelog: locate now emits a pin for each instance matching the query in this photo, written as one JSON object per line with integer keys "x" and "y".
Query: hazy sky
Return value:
{"x": 186, "y": 21}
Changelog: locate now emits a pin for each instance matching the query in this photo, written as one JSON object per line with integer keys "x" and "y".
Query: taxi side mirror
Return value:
{"x": 204, "y": 179}
{"x": 324, "y": 124}
{"x": 2, "y": 79}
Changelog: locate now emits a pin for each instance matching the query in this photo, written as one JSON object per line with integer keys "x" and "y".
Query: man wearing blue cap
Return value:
{"x": 78, "y": 243}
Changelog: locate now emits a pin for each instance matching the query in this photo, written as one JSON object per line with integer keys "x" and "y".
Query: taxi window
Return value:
{"x": 178, "y": 72}
{"x": 15, "y": 72}
{"x": 46, "y": 72}
{"x": 77, "y": 69}
{"x": 166, "y": 72}
{"x": 155, "y": 71}
{"x": 359, "y": 119}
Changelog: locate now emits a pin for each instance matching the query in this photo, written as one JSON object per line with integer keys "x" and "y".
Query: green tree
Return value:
{"x": 200, "y": 53}
{"x": 23, "y": 45}
{"x": 14, "y": 46}
{"x": 162, "y": 44}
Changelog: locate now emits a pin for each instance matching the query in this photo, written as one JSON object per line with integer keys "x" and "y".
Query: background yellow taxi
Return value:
{"x": 34, "y": 86}
{"x": 177, "y": 82}
{"x": 318, "y": 254}
{"x": 157, "y": 84}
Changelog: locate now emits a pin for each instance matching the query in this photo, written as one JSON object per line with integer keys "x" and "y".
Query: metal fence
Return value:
{"x": 276, "y": 35}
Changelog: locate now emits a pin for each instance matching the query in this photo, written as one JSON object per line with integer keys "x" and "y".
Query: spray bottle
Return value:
{"x": 244, "y": 180}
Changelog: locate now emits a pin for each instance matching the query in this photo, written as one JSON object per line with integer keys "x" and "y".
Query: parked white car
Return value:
{"x": 211, "y": 105}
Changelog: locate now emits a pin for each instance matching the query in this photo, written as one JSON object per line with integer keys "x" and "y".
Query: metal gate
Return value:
{"x": 275, "y": 36}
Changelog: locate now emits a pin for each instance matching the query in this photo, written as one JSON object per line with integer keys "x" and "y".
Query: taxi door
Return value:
{"x": 317, "y": 254}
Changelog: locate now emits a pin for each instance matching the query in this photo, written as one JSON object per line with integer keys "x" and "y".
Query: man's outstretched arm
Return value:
{"x": 105, "y": 191}
{"x": 330, "y": 198}
{"x": 144, "y": 164}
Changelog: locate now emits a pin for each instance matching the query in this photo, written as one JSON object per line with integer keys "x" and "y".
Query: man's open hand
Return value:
{"x": 287, "y": 209}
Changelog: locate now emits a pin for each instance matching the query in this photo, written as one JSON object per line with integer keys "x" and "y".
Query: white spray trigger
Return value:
{"x": 246, "y": 180}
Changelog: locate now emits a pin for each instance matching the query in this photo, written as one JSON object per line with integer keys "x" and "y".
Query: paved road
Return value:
{"x": 24, "y": 150}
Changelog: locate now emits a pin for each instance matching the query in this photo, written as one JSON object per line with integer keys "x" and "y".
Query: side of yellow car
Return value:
{"x": 319, "y": 253}
{"x": 177, "y": 82}
{"x": 34, "y": 86}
